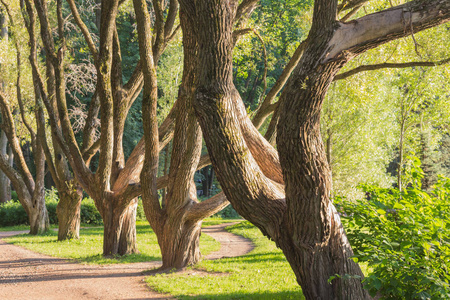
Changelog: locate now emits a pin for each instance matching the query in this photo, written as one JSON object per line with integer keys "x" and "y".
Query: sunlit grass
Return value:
{"x": 88, "y": 249}
{"x": 262, "y": 274}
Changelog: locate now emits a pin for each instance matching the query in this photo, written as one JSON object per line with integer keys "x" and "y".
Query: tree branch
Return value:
{"x": 378, "y": 28}
{"x": 261, "y": 114}
{"x": 207, "y": 208}
{"x": 373, "y": 67}
{"x": 84, "y": 30}
{"x": 244, "y": 8}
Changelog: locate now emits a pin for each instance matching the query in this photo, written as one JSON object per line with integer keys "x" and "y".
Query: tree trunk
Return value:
{"x": 68, "y": 212}
{"x": 179, "y": 243}
{"x": 5, "y": 183}
{"x": 38, "y": 217}
{"x": 127, "y": 241}
{"x": 119, "y": 231}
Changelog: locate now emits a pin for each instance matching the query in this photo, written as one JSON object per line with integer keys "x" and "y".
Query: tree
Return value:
{"x": 300, "y": 218}
{"x": 5, "y": 183}
{"x": 29, "y": 185}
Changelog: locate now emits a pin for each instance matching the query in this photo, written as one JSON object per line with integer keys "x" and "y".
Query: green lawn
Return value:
{"x": 88, "y": 248}
{"x": 262, "y": 274}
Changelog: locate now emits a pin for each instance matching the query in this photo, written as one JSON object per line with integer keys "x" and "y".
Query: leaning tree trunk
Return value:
{"x": 305, "y": 225}
{"x": 68, "y": 212}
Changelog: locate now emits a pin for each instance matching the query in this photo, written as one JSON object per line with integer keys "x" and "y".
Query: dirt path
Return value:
{"x": 28, "y": 275}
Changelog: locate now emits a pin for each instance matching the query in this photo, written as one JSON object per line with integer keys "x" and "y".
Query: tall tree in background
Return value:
{"x": 5, "y": 150}
{"x": 29, "y": 185}
{"x": 301, "y": 219}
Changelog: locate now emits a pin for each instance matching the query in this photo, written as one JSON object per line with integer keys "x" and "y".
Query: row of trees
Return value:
{"x": 284, "y": 192}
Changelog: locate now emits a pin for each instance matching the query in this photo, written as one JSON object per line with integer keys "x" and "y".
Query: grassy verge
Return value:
{"x": 262, "y": 274}
{"x": 88, "y": 248}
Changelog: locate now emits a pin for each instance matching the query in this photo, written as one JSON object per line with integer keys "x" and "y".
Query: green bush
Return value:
{"x": 12, "y": 213}
{"x": 404, "y": 237}
{"x": 228, "y": 213}
{"x": 89, "y": 213}
{"x": 14, "y": 196}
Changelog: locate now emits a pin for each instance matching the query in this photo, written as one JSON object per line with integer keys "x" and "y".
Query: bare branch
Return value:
{"x": 170, "y": 20}
{"x": 245, "y": 8}
{"x": 84, "y": 29}
{"x": 263, "y": 111}
{"x": 373, "y": 67}
{"x": 208, "y": 207}
{"x": 375, "y": 29}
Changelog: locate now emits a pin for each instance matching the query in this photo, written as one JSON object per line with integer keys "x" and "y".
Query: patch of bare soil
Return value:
{"x": 28, "y": 275}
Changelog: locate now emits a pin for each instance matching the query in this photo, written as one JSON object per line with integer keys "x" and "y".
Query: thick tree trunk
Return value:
{"x": 68, "y": 212}
{"x": 320, "y": 248}
{"x": 179, "y": 243}
{"x": 305, "y": 226}
{"x": 38, "y": 217}
{"x": 119, "y": 231}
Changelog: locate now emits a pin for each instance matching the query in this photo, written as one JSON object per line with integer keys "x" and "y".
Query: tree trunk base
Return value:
{"x": 119, "y": 237}
{"x": 180, "y": 245}
{"x": 68, "y": 212}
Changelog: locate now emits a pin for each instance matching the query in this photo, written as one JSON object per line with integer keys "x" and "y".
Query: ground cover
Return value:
{"x": 88, "y": 248}
{"x": 262, "y": 274}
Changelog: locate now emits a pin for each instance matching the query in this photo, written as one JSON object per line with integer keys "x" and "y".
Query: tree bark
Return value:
{"x": 68, "y": 211}
{"x": 127, "y": 240}
{"x": 5, "y": 183}
{"x": 179, "y": 243}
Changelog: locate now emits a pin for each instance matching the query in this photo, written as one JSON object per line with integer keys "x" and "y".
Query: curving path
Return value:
{"x": 28, "y": 275}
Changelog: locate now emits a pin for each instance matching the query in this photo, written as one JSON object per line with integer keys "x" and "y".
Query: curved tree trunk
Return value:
{"x": 306, "y": 228}
{"x": 68, "y": 212}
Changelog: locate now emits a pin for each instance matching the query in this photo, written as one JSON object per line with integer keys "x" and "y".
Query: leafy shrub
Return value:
{"x": 89, "y": 213}
{"x": 12, "y": 213}
{"x": 228, "y": 213}
{"x": 404, "y": 237}
{"x": 14, "y": 196}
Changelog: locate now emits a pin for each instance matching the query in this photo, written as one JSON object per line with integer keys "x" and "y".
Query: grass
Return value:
{"x": 88, "y": 249}
{"x": 15, "y": 228}
{"x": 262, "y": 274}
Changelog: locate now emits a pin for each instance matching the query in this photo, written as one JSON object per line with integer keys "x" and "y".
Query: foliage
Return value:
{"x": 12, "y": 213}
{"x": 89, "y": 249}
{"x": 262, "y": 274}
{"x": 404, "y": 237}
{"x": 281, "y": 25}
{"x": 89, "y": 213}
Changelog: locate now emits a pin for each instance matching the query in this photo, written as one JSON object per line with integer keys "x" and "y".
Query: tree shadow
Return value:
{"x": 242, "y": 295}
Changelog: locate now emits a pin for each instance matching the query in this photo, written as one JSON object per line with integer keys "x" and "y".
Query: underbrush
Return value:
{"x": 404, "y": 237}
